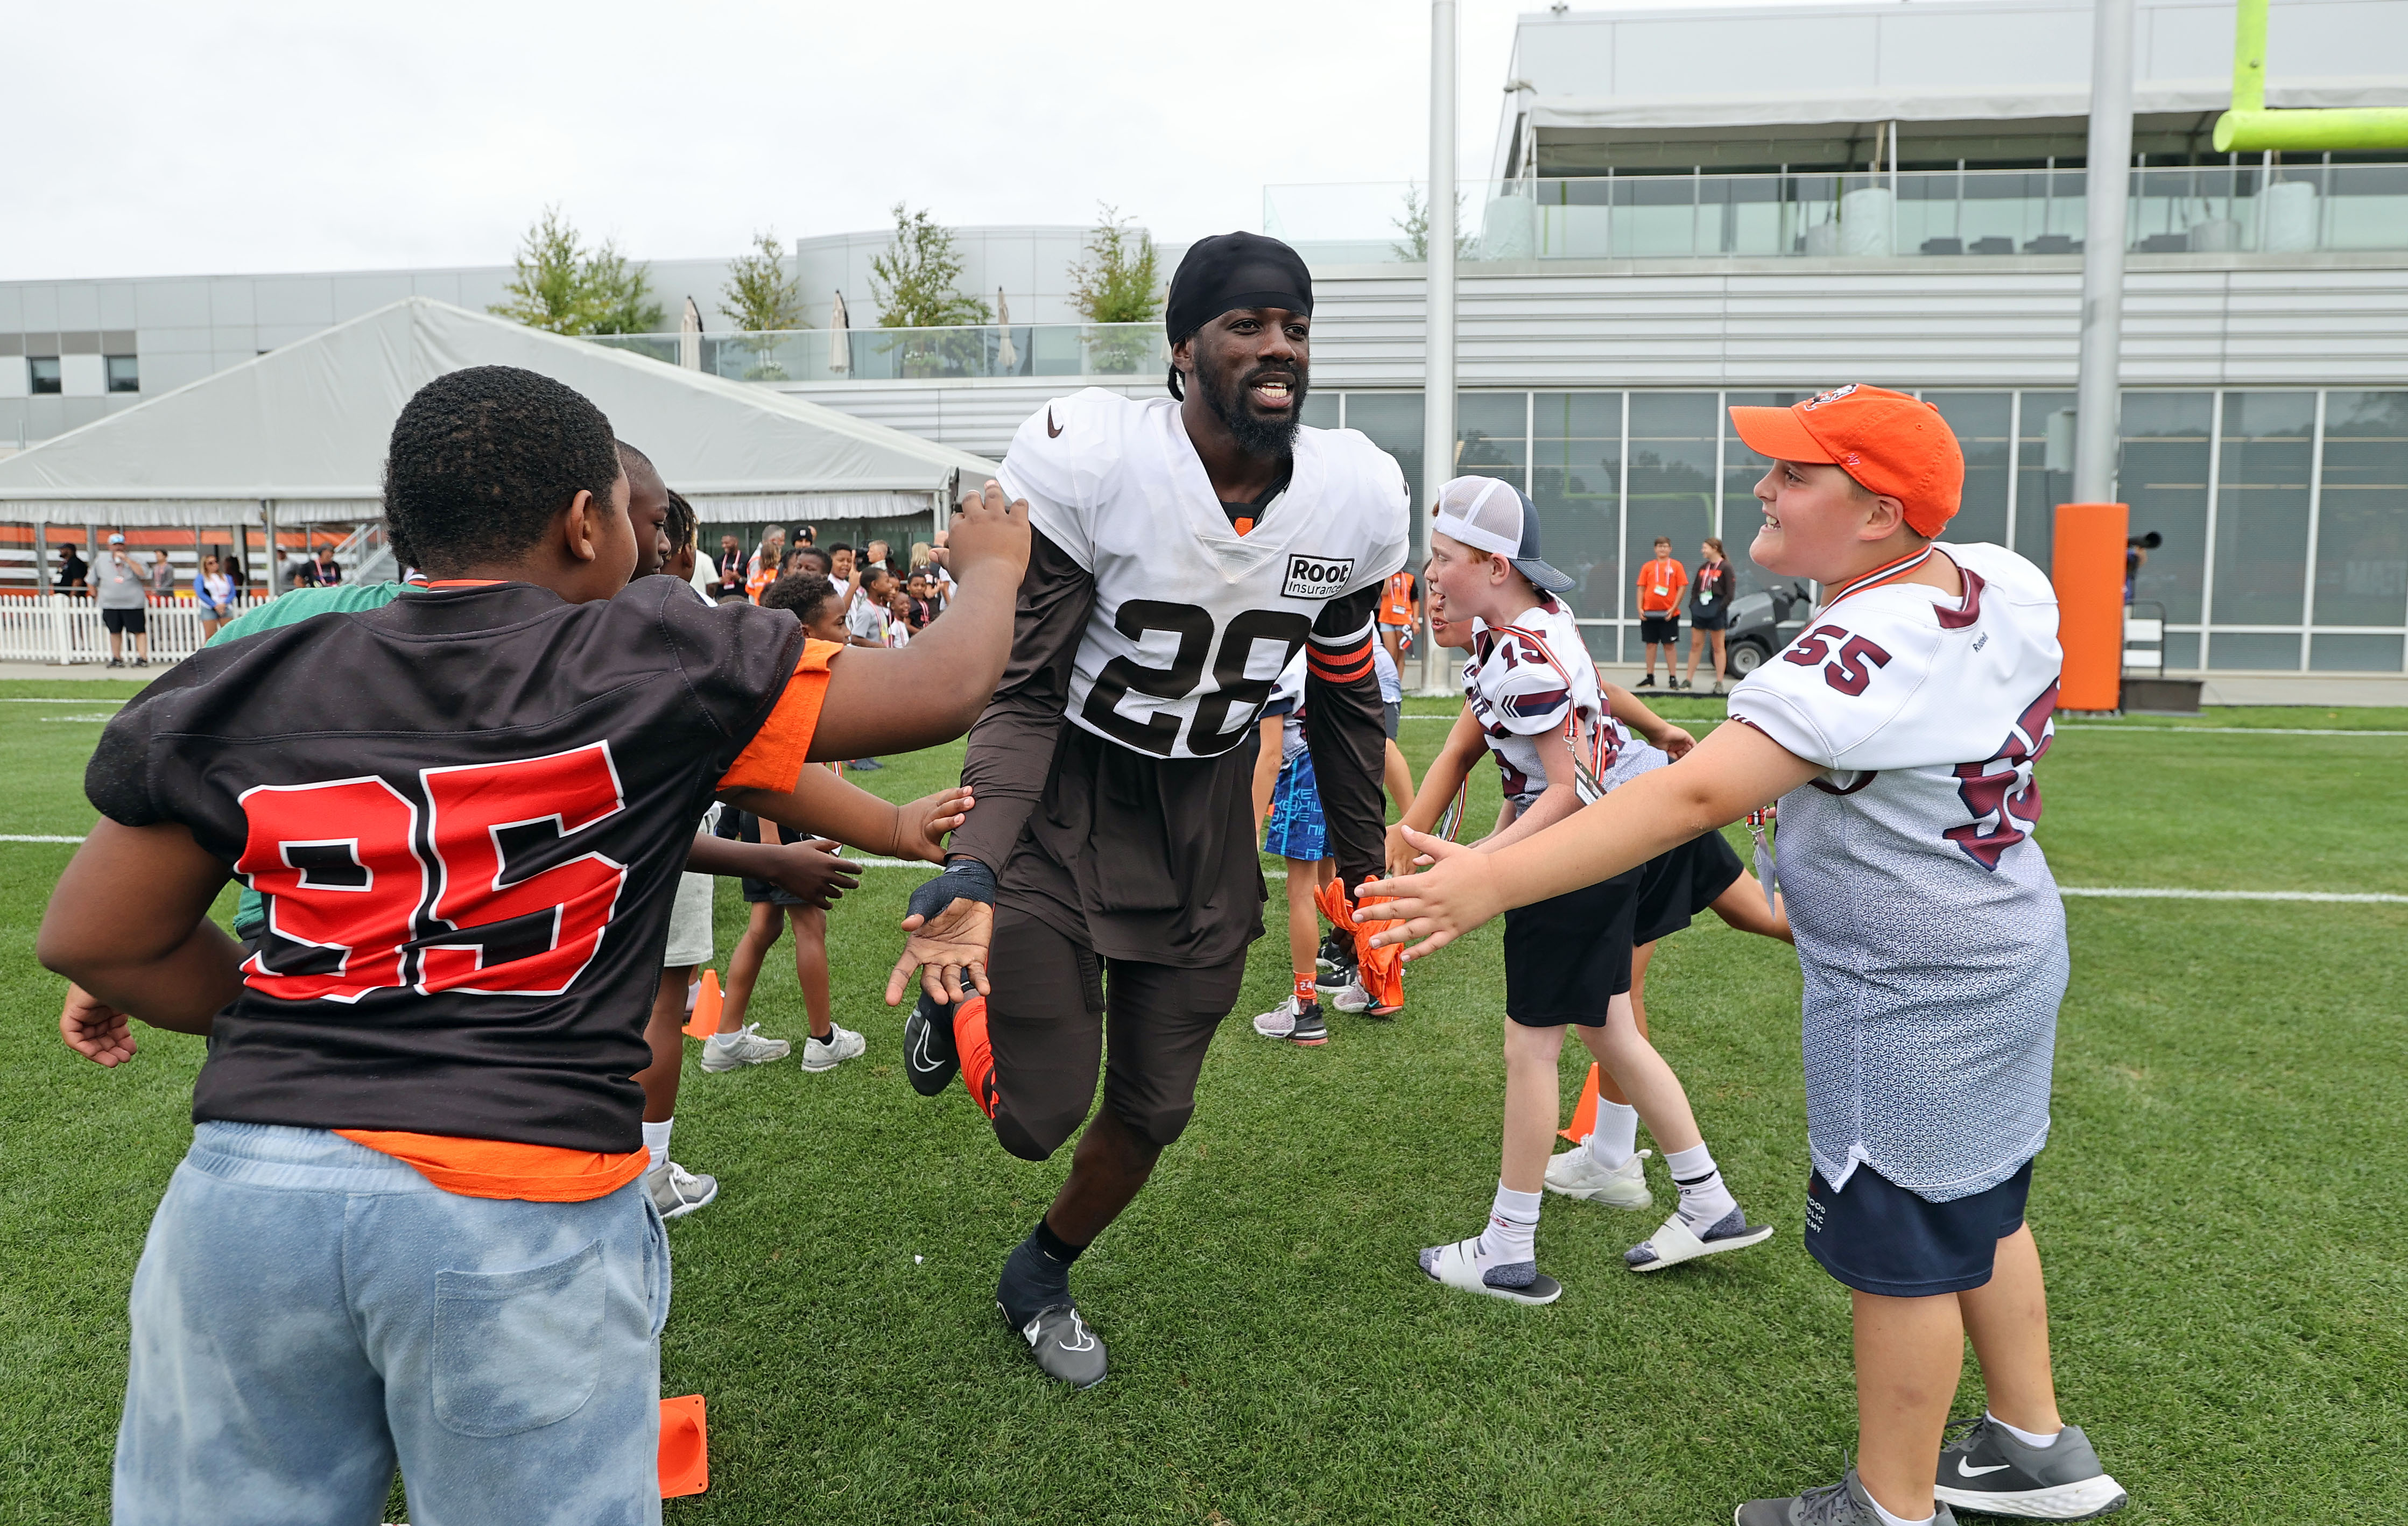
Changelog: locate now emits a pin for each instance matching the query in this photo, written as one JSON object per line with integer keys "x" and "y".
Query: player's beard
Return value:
{"x": 1257, "y": 435}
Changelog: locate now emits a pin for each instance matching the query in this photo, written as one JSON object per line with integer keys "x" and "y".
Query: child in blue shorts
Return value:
{"x": 1294, "y": 830}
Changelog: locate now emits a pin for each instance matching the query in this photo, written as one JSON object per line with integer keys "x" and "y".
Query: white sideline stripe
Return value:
{"x": 2074, "y": 725}
{"x": 13, "y": 701}
{"x": 13, "y": 838}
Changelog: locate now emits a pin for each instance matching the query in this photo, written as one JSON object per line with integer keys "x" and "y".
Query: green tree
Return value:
{"x": 761, "y": 299}
{"x": 561, "y": 286}
{"x": 1120, "y": 280}
{"x": 917, "y": 280}
{"x": 1414, "y": 225}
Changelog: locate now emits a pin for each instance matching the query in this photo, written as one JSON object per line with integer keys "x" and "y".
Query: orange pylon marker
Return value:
{"x": 705, "y": 1020}
{"x": 1584, "y": 1116}
{"x": 686, "y": 1455}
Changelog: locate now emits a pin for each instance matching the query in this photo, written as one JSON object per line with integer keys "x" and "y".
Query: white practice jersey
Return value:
{"x": 1928, "y": 926}
{"x": 1531, "y": 678}
{"x": 1192, "y": 622}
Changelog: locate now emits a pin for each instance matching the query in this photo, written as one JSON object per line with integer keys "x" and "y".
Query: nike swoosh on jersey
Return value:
{"x": 1965, "y": 1471}
{"x": 1053, "y": 430}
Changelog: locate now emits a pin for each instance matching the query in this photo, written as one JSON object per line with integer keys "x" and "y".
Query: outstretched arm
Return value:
{"x": 1456, "y": 755}
{"x": 895, "y": 700}
{"x": 1347, "y": 734}
{"x": 1633, "y": 712}
{"x": 1730, "y": 773}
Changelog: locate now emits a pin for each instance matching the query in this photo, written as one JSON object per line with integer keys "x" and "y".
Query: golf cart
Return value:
{"x": 1763, "y": 623}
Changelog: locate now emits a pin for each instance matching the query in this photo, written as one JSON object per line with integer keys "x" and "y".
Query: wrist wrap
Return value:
{"x": 963, "y": 879}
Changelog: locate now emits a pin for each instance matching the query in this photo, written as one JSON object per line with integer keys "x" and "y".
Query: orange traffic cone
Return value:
{"x": 685, "y": 1457}
{"x": 1584, "y": 1116}
{"x": 705, "y": 1020}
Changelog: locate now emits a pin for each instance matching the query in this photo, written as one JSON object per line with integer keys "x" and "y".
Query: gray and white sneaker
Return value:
{"x": 842, "y": 1044}
{"x": 1844, "y": 1504}
{"x": 1062, "y": 1345}
{"x": 677, "y": 1191}
{"x": 1298, "y": 1023}
{"x": 1984, "y": 1467}
{"x": 1576, "y": 1173}
{"x": 744, "y": 1047}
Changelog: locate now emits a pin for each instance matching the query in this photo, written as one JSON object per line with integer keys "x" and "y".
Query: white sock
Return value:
{"x": 692, "y": 996}
{"x": 2027, "y": 1437}
{"x": 1513, "y": 1232}
{"x": 656, "y": 1140}
{"x": 1889, "y": 1519}
{"x": 1705, "y": 1201}
{"x": 1616, "y": 1138}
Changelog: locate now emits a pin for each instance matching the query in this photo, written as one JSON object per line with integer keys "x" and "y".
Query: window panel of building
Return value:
{"x": 1576, "y": 482}
{"x": 2163, "y": 477}
{"x": 1742, "y": 468}
{"x": 1982, "y": 424}
{"x": 2043, "y": 478}
{"x": 1321, "y": 410}
{"x": 2261, "y": 516}
{"x": 1491, "y": 431}
{"x": 1673, "y": 437}
{"x": 1394, "y": 423}
{"x": 2253, "y": 650}
{"x": 2350, "y": 653}
{"x": 42, "y": 374}
{"x": 124, "y": 374}
{"x": 2363, "y": 516}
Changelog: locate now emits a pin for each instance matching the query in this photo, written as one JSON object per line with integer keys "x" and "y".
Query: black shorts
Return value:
{"x": 1718, "y": 620}
{"x": 1567, "y": 957}
{"x": 1676, "y": 886}
{"x": 1877, "y": 1237}
{"x": 1390, "y": 713}
{"x": 126, "y": 621}
{"x": 1047, "y": 1021}
{"x": 1659, "y": 630}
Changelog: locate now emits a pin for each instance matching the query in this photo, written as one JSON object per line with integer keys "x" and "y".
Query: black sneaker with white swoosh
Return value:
{"x": 1984, "y": 1467}
{"x": 929, "y": 1057}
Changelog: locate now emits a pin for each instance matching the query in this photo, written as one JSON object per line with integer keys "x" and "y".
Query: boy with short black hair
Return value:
{"x": 1660, "y": 582}
{"x": 1899, "y": 732}
{"x": 417, "y": 1155}
{"x": 1533, "y": 690}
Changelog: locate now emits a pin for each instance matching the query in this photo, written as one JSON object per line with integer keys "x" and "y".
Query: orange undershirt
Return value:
{"x": 500, "y": 1169}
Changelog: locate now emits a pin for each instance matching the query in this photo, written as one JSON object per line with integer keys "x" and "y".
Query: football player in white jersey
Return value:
{"x": 1899, "y": 732}
{"x": 1187, "y": 550}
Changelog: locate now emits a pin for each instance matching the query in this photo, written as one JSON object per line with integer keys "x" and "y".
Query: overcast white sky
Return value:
{"x": 155, "y": 138}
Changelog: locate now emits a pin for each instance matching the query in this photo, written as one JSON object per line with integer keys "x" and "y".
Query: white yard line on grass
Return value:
{"x": 103, "y": 701}
{"x": 1700, "y": 723}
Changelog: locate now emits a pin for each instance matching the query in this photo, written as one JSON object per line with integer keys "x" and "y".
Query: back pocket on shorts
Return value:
{"x": 517, "y": 1350}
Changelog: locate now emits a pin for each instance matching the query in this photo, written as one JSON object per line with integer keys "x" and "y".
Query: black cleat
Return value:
{"x": 929, "y": 1057}
{"x": 1062, "y": 1345}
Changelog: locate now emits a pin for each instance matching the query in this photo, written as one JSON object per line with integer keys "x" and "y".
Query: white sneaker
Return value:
{"x": 1355, "y": 999}
{"x": 1576, "y": 1173}
{"x": 842, "y": 1044}
{"x": 677, "y": 1191}
{"x": 1298, "y": 1023}
{"x": 744, "y": 1047}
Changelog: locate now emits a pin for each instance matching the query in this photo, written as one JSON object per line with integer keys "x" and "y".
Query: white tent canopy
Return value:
{"x": 300, "y": 432}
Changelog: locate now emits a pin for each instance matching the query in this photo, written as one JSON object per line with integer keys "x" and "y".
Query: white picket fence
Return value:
{"x": 55, "y": 628}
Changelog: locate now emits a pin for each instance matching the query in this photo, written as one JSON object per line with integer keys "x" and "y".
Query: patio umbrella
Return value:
{"x": 839, "y": 361}
{"x": 690, "y": 337}
{"x": 1006, "y": 359}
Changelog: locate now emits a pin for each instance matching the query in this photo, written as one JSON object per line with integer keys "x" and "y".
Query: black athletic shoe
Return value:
{"x": 1647, "y": 682}
{"x": 1062, "y": 1345}
{"x": 865, "y": 765}
{"x": 929, "y": 1057}
{"x": 1984, "y": 1467}
{"x": 1337, "y": 957}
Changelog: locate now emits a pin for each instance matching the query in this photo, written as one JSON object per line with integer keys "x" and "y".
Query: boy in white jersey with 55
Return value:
{"x": 1532, "y": 690}
{"x": 1898, "y": 733}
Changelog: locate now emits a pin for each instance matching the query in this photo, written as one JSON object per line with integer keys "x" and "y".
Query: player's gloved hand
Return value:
{"x": 1455, "y": 894}
{"x": 950, "y": 922}
{"x": 989, "y": 536}
{"x": 94, "y": 1029}
{"x": 1675, "y": 742}
{"x": 810, "y": 871}
{"x": 920, "y": 825}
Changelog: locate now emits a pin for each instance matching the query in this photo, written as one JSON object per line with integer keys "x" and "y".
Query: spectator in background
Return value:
{"x": 873, "y": 612}
{"x": 874, "y": 555}
{"x": 806, "y": 535}
{"x": 162, "y": 574}
{"x": 941, "y": 576}
{"x": 812, "y": 560}
{"x": 213, "y": 589}
{"x": 1709, "y": 600}
{"x": 923, "y": 609}
{"x": 727, "y": 572}
{"x": 123, "y": 593}
{"x": 329, "y": 571}
{"x": 899, "y": 608}
{"x": 74, "y": 575}
{"x": 763, "y": 569}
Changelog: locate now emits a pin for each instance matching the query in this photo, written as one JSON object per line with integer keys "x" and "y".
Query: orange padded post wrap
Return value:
{"x": 2087, "y": 567}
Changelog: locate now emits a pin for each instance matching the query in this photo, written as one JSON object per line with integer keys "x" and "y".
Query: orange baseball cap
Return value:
{"x": 1890, "y": 443}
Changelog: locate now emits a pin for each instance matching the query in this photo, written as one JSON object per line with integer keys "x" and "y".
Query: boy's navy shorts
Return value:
{"x": 1297, "y": 830}
{"x": 1568, "y": 956}
{"x": 1877, "y": 1237}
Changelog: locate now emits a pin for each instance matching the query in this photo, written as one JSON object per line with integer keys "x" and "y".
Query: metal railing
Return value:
{"x": 59, "y": 628}
{"x": 918, "y": 354}
{"x": 2249, "y": 208}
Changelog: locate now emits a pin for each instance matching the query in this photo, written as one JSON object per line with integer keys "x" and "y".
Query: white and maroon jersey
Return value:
{"x": 1928, "y": 925}
{"x": 1531, "y": 678}
{"x": 1193, "y": 623}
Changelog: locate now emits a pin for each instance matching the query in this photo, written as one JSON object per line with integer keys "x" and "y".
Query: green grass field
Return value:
{"x": 2219, "y": 1209}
